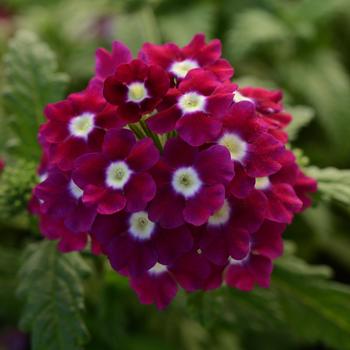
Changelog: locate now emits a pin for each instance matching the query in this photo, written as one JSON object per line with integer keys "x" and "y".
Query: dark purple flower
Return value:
{"x": 191, "y": 183}
{"x": 117, "y": 177}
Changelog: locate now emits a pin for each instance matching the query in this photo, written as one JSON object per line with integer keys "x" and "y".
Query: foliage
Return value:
{"x": 301, "y": 46}
{"x": 50, "y": 285}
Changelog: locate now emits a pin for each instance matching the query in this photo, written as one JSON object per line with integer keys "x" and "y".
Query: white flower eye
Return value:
{"x": 76, "y": 191}
{"x": 186, "y": 181}
{"x": 137, "y": 92}
{"x": 262, "y": 183}
{"x": 157, "y": 269}
{"x": 82, "y": 125}
{"x": 236, "y": 146}
{"x": 192, "y": 102}
{"x": 221, "y": 216}
{"x": 117, "y": 175}
{"x": 238, "y": 97}
{"x": 181, "y": 68}
{"x": 140, "y": 226}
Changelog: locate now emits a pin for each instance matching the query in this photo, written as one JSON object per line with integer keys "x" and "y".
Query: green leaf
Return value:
{"x": 51, "y": 287}
{"x": 302, "y": 303}
{"x": 333, "y": 184}
{"x": 302, "y": 116}
{"x": 254, "y": 28}
{"x": 30, "y": 82}
{"x": 313, "y": 307}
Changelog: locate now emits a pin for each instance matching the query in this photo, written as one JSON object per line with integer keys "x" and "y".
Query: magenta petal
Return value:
{"x": 54, "y": 132}
{"x": 140, "y": 189}
{"x": 178, "y": 153}
{"x": 222, "y": 69}
{"x": 214, "y": 165}
{"x": 143, "y": 155}
{"x": 170, "y": 244}
{"x": 118, "y": 143}
{"x": 81, "y": 218}
{"x": 199, "y": 208}
{"x": 240, "y": 277}
{"x": 165, "y": 120}
{"x": 159, "y": 289}
{"x": 217, "y": 104}
{"x": 90, "y": 169}
{"x": 241, "y": 184}
{"x": 214, "y": 246}
{"x": 166, "y": 209}
{"x": 111, "y": 203}
{"x": 188, "y": 129}
{"x": 238, "y": 241}
{"x": 191, "y": 271}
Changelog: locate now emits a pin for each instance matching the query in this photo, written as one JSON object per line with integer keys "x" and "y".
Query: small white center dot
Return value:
{"x": 76, "y": 191}
{"x": 140, "y": 226}
{"x": 181, "y": 68}
{"x": 186, "y": 181}
{"x": 157, "y": 269}
{"x": 117, "y": 175}
{"x": 82, "y": 125}
{"x": 137, "y": 92}
{"x": 192, "y": 102}
{"x": 262, "y": 183}
{"x": 221, "y": 216}
{"x": 236, "y": 146}
{"x": 238, "y": 97}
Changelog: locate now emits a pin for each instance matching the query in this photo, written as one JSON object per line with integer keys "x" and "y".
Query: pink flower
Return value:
{"x": 179, "y": 61}
{"x": 61, "y": 198}
{"x": 303, "y": 187}
{"x": 253, "y": 150}
{"x": 199, "y": 100}
{"x": 269, "y": 106}
{"x": 134, "y": 243}
{"x": 136, "y": 88}
{"x": 256, "y": 267}
{"x": 75, "y": 126}
{"x": 107, "y": 63}
{"x": 190, "y": 183}
{"x": 156, "y": 286}
{"x": 117, "y": 178}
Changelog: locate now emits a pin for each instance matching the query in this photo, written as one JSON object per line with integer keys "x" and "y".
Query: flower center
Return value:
{"x": 82, "y": 125}
{"x": 236, "y": 146}
{"x": 186, "y": 181}
{"x": 238, "y": 97}
{"x": 262, "y": 183}
{"x": 191, "y": 102}
{"x": 157, "y": 269}
{"x": 137, "y": 92}
{"x": 118, "y": 174}
{"x": 75, "y": 191}
{"x": 140, "y": 226}
{"x": 181, "y": 68}
{"x": 221, "y": 216}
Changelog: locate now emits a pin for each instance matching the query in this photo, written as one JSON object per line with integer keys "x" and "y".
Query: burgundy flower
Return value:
{"x": 134, "y": 243}
{"x": 116, "y": 178}
{"x": 136, "y": 88}
{"x": 256, "y": 267}
{"x": 269, "y": 106}
{"x": 254, "y": 151}
{"x": 75, "y": 126}
{"x": 282, "y": 201}
{"x": 199, "y": 100}
{"x": 191, "y": 183}
{"x": 156, "y": 286}
{"x": 303, "y": 187}
{"x": 61, "y": 198}
{"x": 55, "y": 229}
{"x": 179, "y": 61}
{"x": 228, "y": 231}
{"x": 107, "y": 63}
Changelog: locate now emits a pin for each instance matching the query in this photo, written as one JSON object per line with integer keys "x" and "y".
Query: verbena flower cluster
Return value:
{"x": 177, "y": 175}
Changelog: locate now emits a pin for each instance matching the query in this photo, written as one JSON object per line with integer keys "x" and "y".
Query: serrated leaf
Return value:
{"x": 30, "y": 82}
{"x": 333, "y": 184}
{"x": 302, "y": 116}
{"x": 51, "y": 287}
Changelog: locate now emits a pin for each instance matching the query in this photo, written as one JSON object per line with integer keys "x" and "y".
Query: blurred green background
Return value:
{"x": 300, "y": 46}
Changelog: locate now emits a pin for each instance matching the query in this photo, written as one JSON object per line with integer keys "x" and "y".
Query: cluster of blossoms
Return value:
{"x": 169, "y": 169}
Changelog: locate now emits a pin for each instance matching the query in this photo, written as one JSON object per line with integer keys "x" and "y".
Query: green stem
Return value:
{"x": 136, "y": 131}
{"x": 149, "y": 133}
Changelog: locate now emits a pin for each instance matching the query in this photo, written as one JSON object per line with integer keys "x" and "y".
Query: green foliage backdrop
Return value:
{"x": 76, "y": 301}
